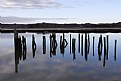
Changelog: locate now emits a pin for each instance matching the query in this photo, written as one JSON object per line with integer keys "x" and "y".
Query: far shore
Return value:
{"x": 63, "y": 30}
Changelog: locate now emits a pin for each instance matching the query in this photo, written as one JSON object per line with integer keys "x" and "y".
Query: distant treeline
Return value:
{"x": 54, "y": 25}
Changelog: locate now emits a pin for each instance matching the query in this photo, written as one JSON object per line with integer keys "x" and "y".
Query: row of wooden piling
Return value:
{"x": 21, "y": 48}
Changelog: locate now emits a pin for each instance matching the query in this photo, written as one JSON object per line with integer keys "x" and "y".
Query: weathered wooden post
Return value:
{"x": 33, "y": 45}
{"x": 93, "y": 45}
{"x": 24, "y": 47}
{"x": 16, "y": 54}
{"x": 44, "y": 45}
{"x": 53, "y": 45}
{"x": 15, "y": 32}
{"x": 16, "y": 49}
{"x": 100, "y": 47}
{"x": 82, "y": 44}
{"x": 79, "y": 42}
{"x": 63, "y": 44}
{"x": 63, "y": 36}
{"x": 88, "y": 44}
{"x": 50, "y": 45}
{"x": 105, "y": 53}
{"x": 70, "y": 43}
{"x": 60, "y": 42}
{"x": 107, "y": 46}
{"x": 115, "y": 50}
{"x": 19, "y": 46}
{"x": 86, "y": 47}
{"x": 73, "y": 48}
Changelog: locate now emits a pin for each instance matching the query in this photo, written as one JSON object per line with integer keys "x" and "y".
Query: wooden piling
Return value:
{"x": 93, "y": 45}
{"x": 44, "y": 45}
{"x": 115, "y": 50}
{"x": 70, "y": 43}
{"x": 82, "y": 44}
{"x": 104, "y": 60}
{"x": 107, "y": 46}
{"x": 79, "y": 42}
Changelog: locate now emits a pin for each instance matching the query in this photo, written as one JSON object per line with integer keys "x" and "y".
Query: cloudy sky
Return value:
{"x": 60, "y": 11}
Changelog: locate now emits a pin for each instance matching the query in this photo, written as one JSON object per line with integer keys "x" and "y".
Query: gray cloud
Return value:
{"x": 28, "y": 20}
{"x": 29, "y": 4}
{"x": 16, "y": 19}
{"x": 50, "y": 3}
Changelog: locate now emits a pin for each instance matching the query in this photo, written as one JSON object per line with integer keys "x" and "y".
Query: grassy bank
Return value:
{"x": 66, "y": 30}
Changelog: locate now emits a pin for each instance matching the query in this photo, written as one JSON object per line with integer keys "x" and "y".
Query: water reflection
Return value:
{"x": 87, "y": 46}
{"x": 105, "y": 53}
{"x": 70, "y": 43}
{"x": 44, "y": 45}
{"x": 107, "y": 45}
{"x": 115, "y": 50}
{"x": 93, "y": 45}
{"x": 33, "y": 45}
{"x": 53, "y": 44}
{"x": 100, "y": 44}
{"x": 79, "y": 42}
{"x": 24, "y": 47}
{"x": 63, "y": 44}
{"x": 82, "y": 42}
{"x": 20, "y": 50}
{"x": 73, "y": 48}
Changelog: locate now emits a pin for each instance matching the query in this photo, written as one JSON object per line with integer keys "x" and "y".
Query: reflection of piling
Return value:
{"x": 107, "y": 46}
{"x": 73, "y": 48}
{"x": 60, "y": 41}
{"x": 115, "y": 50}
{"x": 82, "y": 44}
{"x": 79, "y": 42}
{"x": 63, "y": 36}
{"x": 18, "y": 49}
{"x": 53, "y": 45}
{"x": 44, "y": 45}
{"x": 24, "y": 47}
{"x": 100, "y": 47}
{"x": 88, "y": 44}
{"x": 16, "y": 54}
{"x": 93, "y": 45}
{"x": 105, "y": 53}
{"x": 85, "y": 46}
{"x": 70, "y": 43}
{"x": 50, "y": 45}
{"x": 63, "y": 44}
{"x": 16, "y": 67}
{"x": 33, "y": 45}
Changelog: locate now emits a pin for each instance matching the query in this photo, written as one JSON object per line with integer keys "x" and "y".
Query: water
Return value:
{"x": 57, "y": 61}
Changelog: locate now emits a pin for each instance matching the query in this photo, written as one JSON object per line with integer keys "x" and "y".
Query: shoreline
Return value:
{"x": 62, "y": 30}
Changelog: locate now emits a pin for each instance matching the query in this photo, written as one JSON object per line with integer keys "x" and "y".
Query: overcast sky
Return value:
{"x": 60, "y": 11}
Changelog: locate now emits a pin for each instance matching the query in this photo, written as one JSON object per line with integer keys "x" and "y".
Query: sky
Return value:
{"x": 60, "y": 11}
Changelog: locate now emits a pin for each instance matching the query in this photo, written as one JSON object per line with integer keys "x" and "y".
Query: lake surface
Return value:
{"x": 60, "y": 57}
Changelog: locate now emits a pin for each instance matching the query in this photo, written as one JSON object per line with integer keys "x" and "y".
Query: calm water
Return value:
{"x": 60, "y": 57}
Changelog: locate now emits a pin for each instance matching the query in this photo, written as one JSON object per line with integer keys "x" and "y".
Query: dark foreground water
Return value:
{"x": 60, "y": 57}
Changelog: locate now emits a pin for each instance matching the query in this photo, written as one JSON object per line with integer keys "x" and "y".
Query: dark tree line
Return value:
{"x": 55, "y": 25}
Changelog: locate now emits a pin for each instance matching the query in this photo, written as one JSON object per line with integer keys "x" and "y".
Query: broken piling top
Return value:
{"x": 15, "y": 32}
